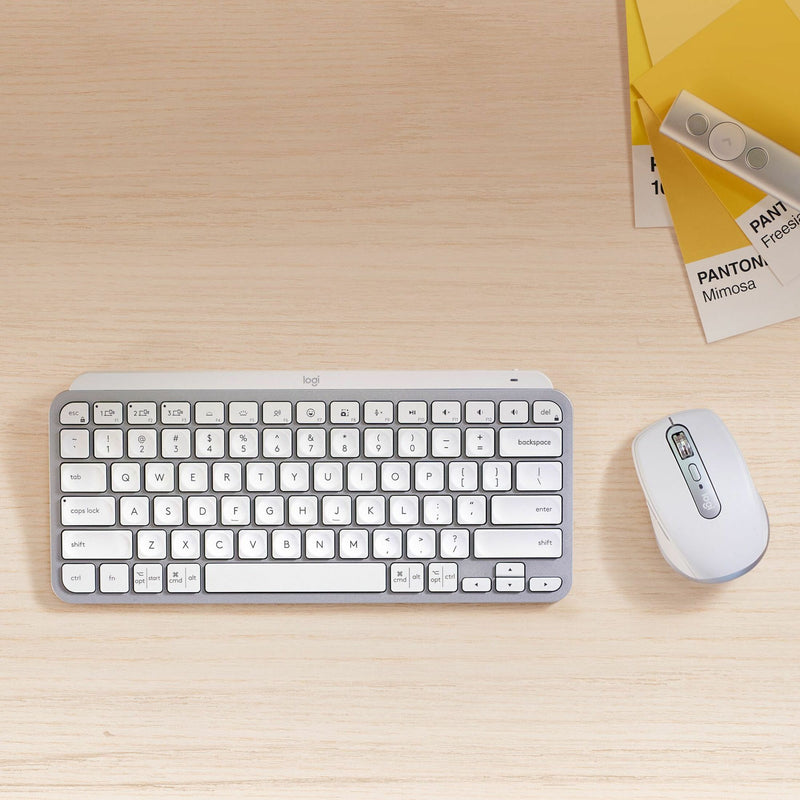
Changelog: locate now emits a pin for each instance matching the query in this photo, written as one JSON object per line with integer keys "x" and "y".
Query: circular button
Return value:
{"x": 727, "y": 141}
{"x": 697, "y": 124}
{"x": 757, "y": 158}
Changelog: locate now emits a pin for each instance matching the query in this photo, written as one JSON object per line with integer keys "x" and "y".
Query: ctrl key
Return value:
{"x": 78, "y": 578}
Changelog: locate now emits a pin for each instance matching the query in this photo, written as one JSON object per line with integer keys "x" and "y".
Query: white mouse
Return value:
{"x": 710, "y": 522}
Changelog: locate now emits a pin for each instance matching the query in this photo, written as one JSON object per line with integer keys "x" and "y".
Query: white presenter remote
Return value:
{"x": 725, "y": 141}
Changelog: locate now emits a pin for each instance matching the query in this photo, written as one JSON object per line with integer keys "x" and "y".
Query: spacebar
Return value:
{"x": 304, "y": 577}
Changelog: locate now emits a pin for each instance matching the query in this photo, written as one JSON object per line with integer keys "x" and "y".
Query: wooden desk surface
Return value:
{"x": 375, "y": 185}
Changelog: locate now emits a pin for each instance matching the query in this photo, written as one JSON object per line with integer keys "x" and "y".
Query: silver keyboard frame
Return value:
{"x": 349, "y": 386}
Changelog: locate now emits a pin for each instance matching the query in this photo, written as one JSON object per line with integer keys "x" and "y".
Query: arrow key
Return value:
{"x": 509, "y": 569}
{"x": 544, "y": 584}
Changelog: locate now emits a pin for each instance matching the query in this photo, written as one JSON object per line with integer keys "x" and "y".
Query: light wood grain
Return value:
{"x": 375, "y": 185}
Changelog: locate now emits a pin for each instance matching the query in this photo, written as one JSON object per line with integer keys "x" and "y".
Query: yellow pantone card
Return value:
{"x": 747, "y": 64}
{"x": 649, "y": 206}
{"x": 733, "y": 288}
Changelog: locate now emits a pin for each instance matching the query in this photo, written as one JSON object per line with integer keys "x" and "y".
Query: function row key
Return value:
{"x": 280, "y": 412}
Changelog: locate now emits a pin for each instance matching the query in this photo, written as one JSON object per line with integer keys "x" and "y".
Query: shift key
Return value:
{"x": 88, "y": 511}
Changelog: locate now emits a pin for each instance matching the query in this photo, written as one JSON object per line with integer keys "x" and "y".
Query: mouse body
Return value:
{"x": 709, "y": 520}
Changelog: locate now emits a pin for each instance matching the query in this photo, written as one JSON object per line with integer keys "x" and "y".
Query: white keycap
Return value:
{"x": 546, "y": 411}
{"x": 476, "y": 585}
{"x": 96, "y": 544}
{"x": 544, "y": 584}
{"x": 362, "y": 476}
{"x": 471, "y": 510}
{"x": 226, "y": 476}
{"x": 269, "y": 510}
{"x": 151, "y": 544}
{"x": 509, "y": 569}
{"x": 370, "y": 510}
{"x": 319, "y": 543}
{"x": 305, "y": 577}
{"x": 183, "y": 578}
{"x": 142, "y": 443}
{"x": 107, "y": 443}
{"x": 74, "y": 444}
{"x": 134, "y": 511}
{"x": 479, "y": 411}
{"x": 159, "y": 477}
{"x": 514, "y": 412}
{"x": 78, "y": 578}
{"x": 517, "y": 543}
{"x": 411, "y": 413}
{"x": 74, "y": 414}
{"x": 242, "y": 443}
{"x": 407, "y": 577}
{"x": 530, "y": 442}
{"x": 209, "y": 443}
{"x": 209, "y": 413}
{"x": 403, "y": 510}
{"x": 88, "y": 511}
{"x": 294, "y": 476}
{"x": 412, "y": 442}
{"x": 167, "y": 511}
{"x": 353, "y": 543}
{"x": 509, "y": 584}
{"x": 148, "y": 578}
{"x": 437, "y": 510}
{"x": 526, "y": 510}
{"x": 421, "y": 543}
{"x": 285, "y": 544}
{"x": 218, "y": 544}
{"x": 176, "y": 443}
{"x": 114, "y": 578}
{"x": 429, "y": 476}
{"x": 185, "y": 543}
{"x": 235, "y": 510}
{"x": 303, "y": 510}
{"x": 328, "y": 476}
{"x": 277, "y": 443}
{"x": 142, "y": 414}
{"x": 496, "y": 476}
{"x": 442, "y": 577}
{"x": 193, "y": 477}
{"x": 454, "y": 543}
{"x": 311, "y": 442}
{"x": 479, "y": 442}
{"x": 311, "y": 412}
{"x": 462, "y": 476}
{"x": 345, "y": 443}
{"x": 173, "y": 413}
{"x": 83, "y": 477}
{"x": 395, "y": 476}
{"x": 378, "y": 413}
{"x": 378, "y": 442}
{"x": 107, "y": 413}
{"x": 539, "y": 476}
{"x": 344, "y": 413}
{"x": 243, "y": 413}
{"x": 253, "y": 543}
{"x": 260, "y": 477}
{"x": 337, "y": 510}
{"x": 201, "y": 510}
{"x": 277, "y": 413}
{"x": 387, "y": 543}
{"x": 446, "y": 442}
{"x": 445, "y": 411}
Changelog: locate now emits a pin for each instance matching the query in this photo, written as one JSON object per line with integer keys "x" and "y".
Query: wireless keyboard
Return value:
{"x": 331, "y": 487}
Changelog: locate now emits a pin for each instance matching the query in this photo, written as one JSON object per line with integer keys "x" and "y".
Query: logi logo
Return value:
{"x": 310, "y": 380}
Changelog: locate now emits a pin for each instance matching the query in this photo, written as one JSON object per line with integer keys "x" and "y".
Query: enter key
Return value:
{"x": 526, "y": 510}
